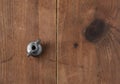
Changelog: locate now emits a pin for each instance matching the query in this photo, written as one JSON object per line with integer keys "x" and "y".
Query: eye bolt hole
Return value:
{"x": 33, "y": 47}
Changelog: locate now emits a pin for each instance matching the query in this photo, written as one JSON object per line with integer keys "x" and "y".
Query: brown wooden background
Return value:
{"x": 81, "y": 41}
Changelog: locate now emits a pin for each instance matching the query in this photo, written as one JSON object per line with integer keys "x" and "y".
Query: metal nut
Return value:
{"x": 34, "y": 48}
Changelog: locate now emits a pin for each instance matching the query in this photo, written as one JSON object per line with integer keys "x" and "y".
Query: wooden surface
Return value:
{"x": 22, "y": 21}
{"x": 80, "y": 38}
{"x": 88, "y": 42}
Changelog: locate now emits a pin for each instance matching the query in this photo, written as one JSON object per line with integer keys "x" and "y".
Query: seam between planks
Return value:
{"x": 57, "y": 41}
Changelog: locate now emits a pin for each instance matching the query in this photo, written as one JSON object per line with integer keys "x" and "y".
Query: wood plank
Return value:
{"x": 88, "y": 41}
{"x": 22, "y": 21}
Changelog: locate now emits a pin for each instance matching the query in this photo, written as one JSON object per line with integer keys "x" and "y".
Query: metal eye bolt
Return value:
{"x": 34, "y": 48}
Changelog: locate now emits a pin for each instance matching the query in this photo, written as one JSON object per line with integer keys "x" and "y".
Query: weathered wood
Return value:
{"x": 22, "y": 21}
{"x": 91, "y": 59}
{"x": 86, "y": 52}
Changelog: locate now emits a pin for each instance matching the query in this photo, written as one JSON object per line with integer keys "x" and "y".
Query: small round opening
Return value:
{"x": 33, "y": 47}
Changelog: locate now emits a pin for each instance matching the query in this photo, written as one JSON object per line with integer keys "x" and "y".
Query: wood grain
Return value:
{"x": 81, "y": 61}
{"x": 22, "y": 21}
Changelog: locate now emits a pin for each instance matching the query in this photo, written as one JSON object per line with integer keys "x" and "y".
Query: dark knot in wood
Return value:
{"x": 95, "y": 30}
{"x": 75, "y": 45}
